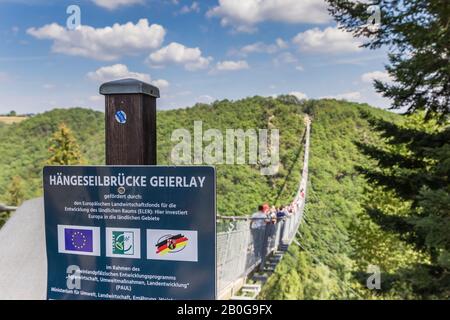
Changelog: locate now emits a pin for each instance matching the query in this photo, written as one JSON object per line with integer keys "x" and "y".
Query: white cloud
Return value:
{"x": 382, "y": 76}
{"x": 299, "y": 95}
{"x": 281, "y": 43}
{"x": 109, "y": 43}
{"x": 285, "y": 58}
{"x": 329, "y": 40}
{"x": 114, "y": 4}
{"x": 232, "y": 65}
{"x": 115, "y": 72}
{"x": 243, "y": 15}
{"x": 257, "y": 48}
{"x": 349, "y": 96}
{"x": 120, "y": 71}
{"x": 175, "y": 53}
{"x": 205, "y": 99}
{"x": 243, "y": 29}
{"x": 161, "y": 83}
{"x": 261, "y": 47}
{"x": 194, "y": 7}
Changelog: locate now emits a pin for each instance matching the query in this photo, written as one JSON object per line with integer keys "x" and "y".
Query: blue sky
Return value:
{"x": 195, "y": 51}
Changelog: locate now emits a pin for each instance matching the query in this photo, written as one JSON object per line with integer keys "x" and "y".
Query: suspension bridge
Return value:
{"x": 251, "y": 255}
{"x": 246, "y": 256}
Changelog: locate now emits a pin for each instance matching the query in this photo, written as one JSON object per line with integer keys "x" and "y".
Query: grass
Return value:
{"x": 10, "y": 120}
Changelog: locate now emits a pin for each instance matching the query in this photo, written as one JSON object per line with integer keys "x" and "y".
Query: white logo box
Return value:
{"x": 136, "y": 243}
{"x": 188, "y": 253}
{"x": 95, "y": 240}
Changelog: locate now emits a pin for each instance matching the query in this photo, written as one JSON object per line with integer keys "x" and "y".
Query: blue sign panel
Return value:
{"x": 134, "y": 233}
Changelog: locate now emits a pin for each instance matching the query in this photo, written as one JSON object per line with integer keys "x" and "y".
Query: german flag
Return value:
{"x": 171, "y": 243}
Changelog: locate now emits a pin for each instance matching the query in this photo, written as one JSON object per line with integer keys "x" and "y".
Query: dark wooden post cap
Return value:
{"x": 130, "y": 122}
{"x": 129, "y": 86}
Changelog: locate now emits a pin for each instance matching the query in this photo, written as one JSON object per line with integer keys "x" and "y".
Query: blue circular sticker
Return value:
{"x": 121, "y": 117}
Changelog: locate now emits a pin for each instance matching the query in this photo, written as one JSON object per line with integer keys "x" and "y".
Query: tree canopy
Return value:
{"x": 417, "y": 37}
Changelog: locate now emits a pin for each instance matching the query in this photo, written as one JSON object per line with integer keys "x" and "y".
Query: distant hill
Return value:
{"x": 23, "y": 146}
{"x": 241, "y": 188}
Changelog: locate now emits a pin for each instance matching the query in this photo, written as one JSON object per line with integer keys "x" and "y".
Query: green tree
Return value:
{"x": 414, "y": 162}
{"x": 414, "y": 165}
{"x": 12, "y": 113}
{"x": 417, "y": 35}
{"x": 64, "y": 148}
{"x": 289, "y": 286}
{"x": 375, "y": 246}
{"x": 14, "y": 197}
{"x": 15, "y": 193}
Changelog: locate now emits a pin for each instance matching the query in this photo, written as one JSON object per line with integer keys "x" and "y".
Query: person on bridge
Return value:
{"x": 259, "y": 218}
{"x": 282, "y": 213}
{"x": 290, "y": 210}
{"x": 272, "y": 215}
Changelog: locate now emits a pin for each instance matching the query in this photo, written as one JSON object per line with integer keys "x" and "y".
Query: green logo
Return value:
{"x": 123, "y": 242}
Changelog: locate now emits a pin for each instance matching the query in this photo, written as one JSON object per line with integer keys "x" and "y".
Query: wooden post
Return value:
{"x": 130, "y": 122}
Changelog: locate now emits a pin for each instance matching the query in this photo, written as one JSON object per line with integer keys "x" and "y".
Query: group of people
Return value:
{"x": 267, "y": 214}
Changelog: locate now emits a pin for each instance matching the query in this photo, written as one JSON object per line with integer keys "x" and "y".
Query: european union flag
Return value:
{"x": 78, "y": 240}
